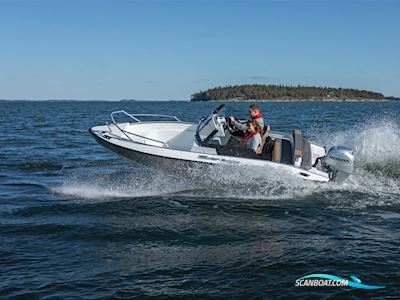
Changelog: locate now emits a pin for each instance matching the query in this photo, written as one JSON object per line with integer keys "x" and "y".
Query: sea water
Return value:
{"x": 77, "y": 221}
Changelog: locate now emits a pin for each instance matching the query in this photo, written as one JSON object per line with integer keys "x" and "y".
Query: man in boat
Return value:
{"x": 241, "y": 127}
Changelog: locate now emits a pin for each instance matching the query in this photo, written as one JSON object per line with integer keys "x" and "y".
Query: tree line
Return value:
{"x": 282, "y": 92}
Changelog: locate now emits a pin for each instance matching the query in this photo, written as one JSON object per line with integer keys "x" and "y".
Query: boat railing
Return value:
{"x": 136, "y": 118}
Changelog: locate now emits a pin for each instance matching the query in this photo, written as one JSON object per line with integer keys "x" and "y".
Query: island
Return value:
{"x": 270, "y": 92}
{"x": 393, "y": 98}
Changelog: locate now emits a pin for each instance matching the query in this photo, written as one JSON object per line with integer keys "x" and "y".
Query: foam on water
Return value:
{"x": 138, "y": 183}
{"x": 375, "y": 142}
{"x": 376, "y": 146}
{"x": 207, "y": 181}
{"x": 92, "y": 191}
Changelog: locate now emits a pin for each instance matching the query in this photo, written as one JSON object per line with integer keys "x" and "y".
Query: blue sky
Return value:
{"x": 170, "y": 49}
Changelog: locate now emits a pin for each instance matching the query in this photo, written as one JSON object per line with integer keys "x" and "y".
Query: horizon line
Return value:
{"x": 103, "y": 100}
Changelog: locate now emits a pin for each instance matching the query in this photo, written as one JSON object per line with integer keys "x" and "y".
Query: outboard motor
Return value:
{"x": 339, "y": 161}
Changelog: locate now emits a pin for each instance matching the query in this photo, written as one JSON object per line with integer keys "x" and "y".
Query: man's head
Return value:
{"x": 254, "y": 110}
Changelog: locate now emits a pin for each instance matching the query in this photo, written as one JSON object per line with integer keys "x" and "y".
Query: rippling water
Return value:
{"x": 77, "y": 221}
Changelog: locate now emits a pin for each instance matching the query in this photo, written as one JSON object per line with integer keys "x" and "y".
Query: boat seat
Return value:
{"x": 277, "y": 153}
{"x": 298, "y": 146}
{"x": 287, "y": 152}
{"x": 282, "y": 152}
{"x": 260, "y": 148}
{"x": 306, "y": 162}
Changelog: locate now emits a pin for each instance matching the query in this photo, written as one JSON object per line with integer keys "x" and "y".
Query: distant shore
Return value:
{"x": 282, "y": 93}
{"x": 222, "y": 100}
{"x": 301, "y": 100}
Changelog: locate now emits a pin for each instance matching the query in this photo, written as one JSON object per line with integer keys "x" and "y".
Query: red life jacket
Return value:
{"x": 259, "y": 115}
{"x": 248, "y": 136}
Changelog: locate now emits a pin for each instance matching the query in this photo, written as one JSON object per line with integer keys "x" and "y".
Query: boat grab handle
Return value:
{"x": 122, "y": 112}
{"x": 137, "y": 120}
{"x": 136, "y": 117}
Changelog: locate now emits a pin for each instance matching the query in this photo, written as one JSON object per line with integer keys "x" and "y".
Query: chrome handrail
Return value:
{"x": 125, "y": 132}
{"x": 156, "y": 115}
{"x": 143, "y": 137}
{"x": 122, "y": 112}
{"x": 136, "y": 118}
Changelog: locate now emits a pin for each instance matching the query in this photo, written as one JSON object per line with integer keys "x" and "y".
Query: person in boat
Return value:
{"x": 255, "y": 115}
{"x": 252, "y": 138}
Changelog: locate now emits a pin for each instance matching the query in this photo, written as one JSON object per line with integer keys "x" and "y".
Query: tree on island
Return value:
{"x": 282, "y": 92}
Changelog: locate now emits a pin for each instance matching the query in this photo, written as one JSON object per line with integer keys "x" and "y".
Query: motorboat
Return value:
{"x": 162, "y": 141}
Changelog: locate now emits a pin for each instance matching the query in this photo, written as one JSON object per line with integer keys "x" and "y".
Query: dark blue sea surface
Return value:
{"x": 79, "y": 222}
